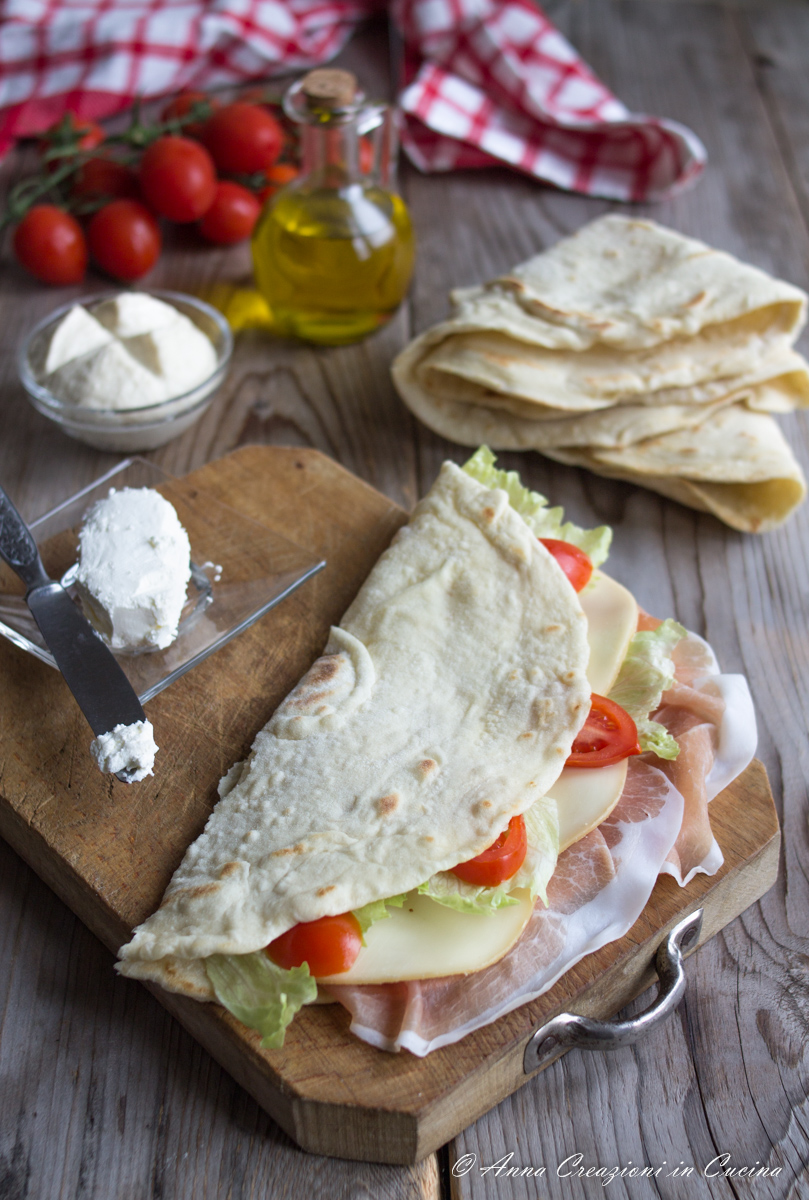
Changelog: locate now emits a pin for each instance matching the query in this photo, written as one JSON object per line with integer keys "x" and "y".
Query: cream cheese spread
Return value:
{"x": 129, "y": 748}
{"x": 78, "y": 333}
{"x": 132, "y": 351}
{"x": 134, "y": 567}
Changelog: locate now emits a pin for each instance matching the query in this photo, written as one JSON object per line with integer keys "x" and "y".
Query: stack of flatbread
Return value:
{"x": 632, "y": 350}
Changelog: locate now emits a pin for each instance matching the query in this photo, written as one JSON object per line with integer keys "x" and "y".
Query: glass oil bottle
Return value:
{"x": 333, "y": 251}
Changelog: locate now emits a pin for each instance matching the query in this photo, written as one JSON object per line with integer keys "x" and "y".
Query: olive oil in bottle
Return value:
{"x": 333, "y": 251}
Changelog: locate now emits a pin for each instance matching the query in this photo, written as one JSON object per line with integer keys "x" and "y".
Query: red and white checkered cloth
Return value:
{"x": 486, "y": 81}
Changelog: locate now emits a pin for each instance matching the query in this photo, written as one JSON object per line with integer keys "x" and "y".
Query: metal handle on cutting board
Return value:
{"x": 568, "y": 1031}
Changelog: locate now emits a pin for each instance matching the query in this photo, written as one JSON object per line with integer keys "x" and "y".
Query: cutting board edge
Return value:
{"x": 318, "y": 1136}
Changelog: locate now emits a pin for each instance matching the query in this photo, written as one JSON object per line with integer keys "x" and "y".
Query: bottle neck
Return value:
{"x": 330, "y": 155}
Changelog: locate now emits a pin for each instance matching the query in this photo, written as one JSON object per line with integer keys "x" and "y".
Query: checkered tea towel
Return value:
{"x": 485, "y": 81}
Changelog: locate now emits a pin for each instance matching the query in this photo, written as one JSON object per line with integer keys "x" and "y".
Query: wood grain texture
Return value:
{"x": 720, "y": 1080}
{"x": 109, "y": 851}
{"x": 732, "y": 1072}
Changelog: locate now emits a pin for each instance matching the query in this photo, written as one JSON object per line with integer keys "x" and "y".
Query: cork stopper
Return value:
{"x": 329, "y": 88}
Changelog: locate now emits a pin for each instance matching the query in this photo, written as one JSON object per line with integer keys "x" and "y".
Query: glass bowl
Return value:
{"x": 133, "y": 428}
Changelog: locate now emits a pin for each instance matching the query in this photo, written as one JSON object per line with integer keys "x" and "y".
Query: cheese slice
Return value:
{"x": 612, "y": 622}
{"x": 585, "y": 797}
{"x": 425, "y": 940}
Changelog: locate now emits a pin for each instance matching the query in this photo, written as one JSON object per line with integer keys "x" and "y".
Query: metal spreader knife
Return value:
{"x": 102, "y": 690}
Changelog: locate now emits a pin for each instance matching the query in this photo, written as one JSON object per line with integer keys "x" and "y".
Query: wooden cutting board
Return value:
{"x": 108, "y": 850}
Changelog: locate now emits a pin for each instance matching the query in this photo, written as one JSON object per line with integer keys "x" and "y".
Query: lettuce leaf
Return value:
{"x": 646, "y": 673}
{"x": 376, "y": 910}
{"x": 259, "y": 993}
{"x": 543, "y": 521}
{"x": 542, "y": 828}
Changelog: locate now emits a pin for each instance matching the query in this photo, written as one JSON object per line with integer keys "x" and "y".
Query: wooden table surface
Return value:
{"x": 102, "y": 1095}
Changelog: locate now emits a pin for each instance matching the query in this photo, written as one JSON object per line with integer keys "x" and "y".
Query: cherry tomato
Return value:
{"x": 232, "y": 215}
{"x": 329, "y": 945}
{"x": 181, "y": 105}
{"x": 279, "y": 176}
{"x": 74, "y": 131}
{"x": 106, "y": 177}
{"x": 282, "y": 173}
{"x": 609, "y": 735}
{"x": 177, "y": 178}
{"x": 50, "y": 244}
{"x": 573, "y": 561}
{"x": 124, "y": 239}
{"x": 243, "y": 138}
{"x": 254, "y": 95}
{"x": 502, "y": 859}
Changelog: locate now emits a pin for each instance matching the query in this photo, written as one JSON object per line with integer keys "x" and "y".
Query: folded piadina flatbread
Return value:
{"x": 446, "y": 702}
{"x": 600, "y": 350}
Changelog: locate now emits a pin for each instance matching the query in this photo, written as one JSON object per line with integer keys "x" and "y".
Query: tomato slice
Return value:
{"x": 609, "y": 735}
{"x": 573, "y": 561}
{"x": 329, "y": 945}
{"x": 501, "y": 861}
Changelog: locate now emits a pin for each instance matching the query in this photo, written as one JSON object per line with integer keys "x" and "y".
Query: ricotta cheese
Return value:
{"x": 133, "y": 351}
{"x": 130, "y": 314}
{"x": 76, "y": 334}
{"x": 134, "y": 567}
{"x": 178, "y": 353}
{"x": 129, "y": 748}
{"x": 108, "y": 378}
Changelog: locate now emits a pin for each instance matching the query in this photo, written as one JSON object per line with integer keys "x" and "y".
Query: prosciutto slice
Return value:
{"x": 601, "y": 883}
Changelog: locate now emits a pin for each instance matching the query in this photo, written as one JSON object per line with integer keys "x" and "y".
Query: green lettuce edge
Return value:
{"x": 259, "y": 993}
{"x": 646, "y": 672}
{"x": 542, "y": 827}
{"x": 544, "y": 522}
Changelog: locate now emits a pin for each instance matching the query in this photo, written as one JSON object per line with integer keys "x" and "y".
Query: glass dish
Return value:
{"x": 131, "y": 429}
{"x": 240, "y": 570}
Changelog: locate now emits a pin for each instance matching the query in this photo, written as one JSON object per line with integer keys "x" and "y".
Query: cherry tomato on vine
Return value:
{"x": 177, "y": 178}
{"x": 105, "y": 177}
{"x": 243, "y": 138}
{"x": 232, "y": 215}
{"x": 124, "y": 239}
{"x": 573, "y": 561}
{"x": 279, "y": 176}
{"x": 608, "y": 736}
{"x": 254, "y": 95}
{"x": 181, "y": 105}
{"x": 50, "y": 244}
{"x": 501, "y": 861}
{"x": 329, "y": 945}
{"x": 74, "y": 131}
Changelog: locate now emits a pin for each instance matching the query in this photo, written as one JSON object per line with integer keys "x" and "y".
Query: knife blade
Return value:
{"x": 99, "y": 685}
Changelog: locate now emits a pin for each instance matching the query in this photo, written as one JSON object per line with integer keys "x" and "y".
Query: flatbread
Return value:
{"x": 632, "y": 350}
{"x": 480, "y": 366}
{"x": 446, "y": 702}
{"x": 768, "y": 487}
{"x": 487, "y": 423}
{"x": 633, "y": 284}
{"x": 734, "y": 445}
